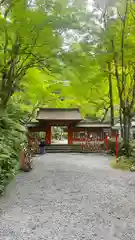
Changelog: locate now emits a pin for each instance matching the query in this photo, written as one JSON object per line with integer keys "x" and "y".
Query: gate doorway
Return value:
{"x": 59, "y": 135}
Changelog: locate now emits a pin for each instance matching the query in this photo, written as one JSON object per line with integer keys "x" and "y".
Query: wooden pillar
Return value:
{"x": 48, "y": 134}
{"x": 70, "y": 135}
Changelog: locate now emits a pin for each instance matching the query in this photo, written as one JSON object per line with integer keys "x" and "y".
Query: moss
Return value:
{"x": 123, "y": 164}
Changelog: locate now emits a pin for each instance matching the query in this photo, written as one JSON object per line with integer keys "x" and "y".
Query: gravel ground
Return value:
{"x": 69, "y": 196}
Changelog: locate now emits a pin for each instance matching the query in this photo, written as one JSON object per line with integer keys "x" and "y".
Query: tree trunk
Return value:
{"x": 126, "y": 133}
{"x": 115, "y": 58}
{"x": 129, "y": 128}
{"x": 121, "y": 122}
{"x": 111, "y": 94}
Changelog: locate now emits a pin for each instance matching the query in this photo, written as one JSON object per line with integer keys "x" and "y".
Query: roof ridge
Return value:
{"x": 59, "y": 109}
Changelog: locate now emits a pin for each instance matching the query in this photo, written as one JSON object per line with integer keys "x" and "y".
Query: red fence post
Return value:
{"x": 107, "y": 142}
{"x": 117, "y": 147}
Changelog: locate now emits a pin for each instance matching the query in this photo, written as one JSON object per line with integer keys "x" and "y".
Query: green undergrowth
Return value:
{"x": 123, "y": 163}
{"x": 12, "y": 135}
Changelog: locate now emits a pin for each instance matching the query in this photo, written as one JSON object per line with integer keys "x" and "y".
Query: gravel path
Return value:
{"x": 69, "y": 197}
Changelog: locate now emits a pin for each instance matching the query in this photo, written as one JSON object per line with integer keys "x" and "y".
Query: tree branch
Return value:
{"x": 105, "y": 113}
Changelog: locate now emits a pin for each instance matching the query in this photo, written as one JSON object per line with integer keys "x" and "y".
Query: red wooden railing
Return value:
{"x": 95, "y": 144}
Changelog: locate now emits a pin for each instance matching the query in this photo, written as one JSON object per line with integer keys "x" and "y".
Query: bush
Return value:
{"x": 112, "y": 146}
{"x": 11, "y": 137}
{"x": 132, "y": 143}
{"x": 123, "y": 163}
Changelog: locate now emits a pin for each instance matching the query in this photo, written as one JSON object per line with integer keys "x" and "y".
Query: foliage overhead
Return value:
{"x": 62, "y": 53}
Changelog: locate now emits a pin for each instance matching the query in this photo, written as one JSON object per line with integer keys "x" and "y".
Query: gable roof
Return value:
{"x": 59, "y": 114}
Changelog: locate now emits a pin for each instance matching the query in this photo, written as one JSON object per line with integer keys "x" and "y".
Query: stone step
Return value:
{"x": 61, "y": 151}
{"x": 63, "y": 145}
{"x": 63, "y": 148}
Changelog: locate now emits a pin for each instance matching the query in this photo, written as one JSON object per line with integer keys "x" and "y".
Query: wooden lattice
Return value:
{"x": 92, "y": 144}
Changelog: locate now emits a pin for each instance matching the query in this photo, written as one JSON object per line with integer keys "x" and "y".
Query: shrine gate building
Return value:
{"x": 76, "y": 127}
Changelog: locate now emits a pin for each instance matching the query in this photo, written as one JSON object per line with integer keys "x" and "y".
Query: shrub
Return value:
{"x": 132, "y": 143}
{"x": 123, "y": 163}
{"x": 11, "y": 137}
{"x": 112, "y": 146}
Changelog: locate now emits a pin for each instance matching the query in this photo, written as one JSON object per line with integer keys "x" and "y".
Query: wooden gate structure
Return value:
{"x": 89, "y": 135}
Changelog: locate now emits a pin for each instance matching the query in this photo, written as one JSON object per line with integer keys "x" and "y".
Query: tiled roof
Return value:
{"x": 90, "y": 123}
{"x": 59, "y": 114}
